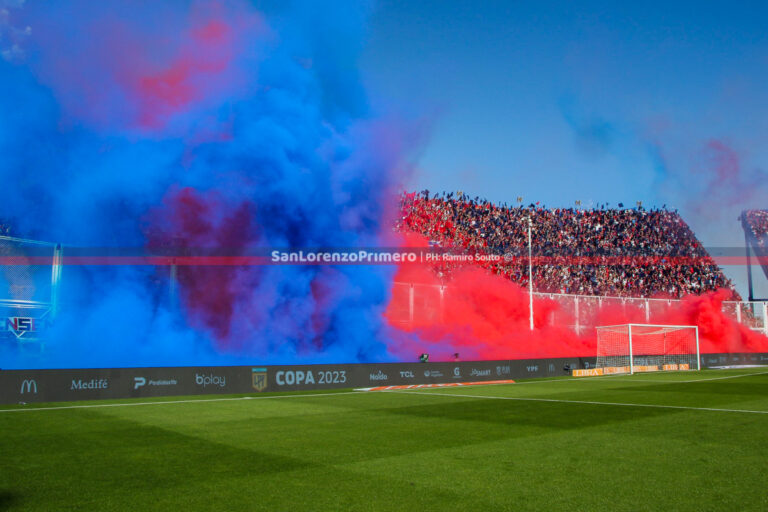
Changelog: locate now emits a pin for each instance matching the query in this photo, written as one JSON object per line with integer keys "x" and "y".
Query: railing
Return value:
{"x": 412, "y": 301}
{"x": 30, "y": 273}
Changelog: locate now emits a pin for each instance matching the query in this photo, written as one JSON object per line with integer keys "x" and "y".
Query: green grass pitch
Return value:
{"x": 674, "y": 441}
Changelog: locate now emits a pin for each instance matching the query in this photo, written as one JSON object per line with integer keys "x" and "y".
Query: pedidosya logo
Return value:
{"x": 139, "y": 382}
{"x": 210, "y": 380}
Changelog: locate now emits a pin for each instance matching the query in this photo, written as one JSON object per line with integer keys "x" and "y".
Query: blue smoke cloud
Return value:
{"x": 196, "y": 126}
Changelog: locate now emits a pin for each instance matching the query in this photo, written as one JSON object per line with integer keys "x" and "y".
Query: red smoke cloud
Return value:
{"x": 485, "y": 316}
{"x": 197, "y": 220}
{"x": 153, "y": 63}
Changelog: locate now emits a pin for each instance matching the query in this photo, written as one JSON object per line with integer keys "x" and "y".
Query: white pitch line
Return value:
{"x": 166, "y": 402}
{"x": 633, "y": 378}
{"x": 583, "y": 402}
{"x": 696, "y": 380}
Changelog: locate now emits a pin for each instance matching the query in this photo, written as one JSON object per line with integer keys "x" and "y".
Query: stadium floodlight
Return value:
{"x": 631, "y": 348}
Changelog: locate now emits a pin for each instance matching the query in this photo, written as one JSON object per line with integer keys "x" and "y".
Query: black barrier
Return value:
{"x": 113, "y": 383}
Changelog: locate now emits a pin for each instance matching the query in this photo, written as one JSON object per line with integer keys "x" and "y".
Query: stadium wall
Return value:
{"x": 23, "y": 386}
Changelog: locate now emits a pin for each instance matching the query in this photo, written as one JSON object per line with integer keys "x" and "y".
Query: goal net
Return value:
{"x": 631, "y": 348}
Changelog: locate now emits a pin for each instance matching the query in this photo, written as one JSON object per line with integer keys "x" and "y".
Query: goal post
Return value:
{"x": 633, "y": 348}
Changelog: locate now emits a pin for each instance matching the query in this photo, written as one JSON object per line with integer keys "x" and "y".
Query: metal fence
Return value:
{"x": 29, "y": 276}
{"x": 423, "y": 303}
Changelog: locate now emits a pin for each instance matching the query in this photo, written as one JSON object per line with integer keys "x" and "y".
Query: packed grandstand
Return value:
{"x": 575, "y": 249}
{"x": 607, "y": 251}
{"x": 757, "y": 223}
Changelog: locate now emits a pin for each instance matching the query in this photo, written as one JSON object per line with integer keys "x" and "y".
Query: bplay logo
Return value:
{"x": 210, "y": 380}
{"x": 28, "y": 386}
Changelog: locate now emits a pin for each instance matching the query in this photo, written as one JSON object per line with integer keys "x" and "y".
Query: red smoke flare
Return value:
{"x": 485, "y": 316}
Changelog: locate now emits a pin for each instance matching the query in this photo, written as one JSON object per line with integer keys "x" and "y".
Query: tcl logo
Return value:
{"x": 407, "y": 375}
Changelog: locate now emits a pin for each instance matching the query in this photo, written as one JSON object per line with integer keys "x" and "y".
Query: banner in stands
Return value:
{"x": 22, "y": 386}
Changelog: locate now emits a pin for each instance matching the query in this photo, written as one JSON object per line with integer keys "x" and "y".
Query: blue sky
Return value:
{"x": 594, "y": 101}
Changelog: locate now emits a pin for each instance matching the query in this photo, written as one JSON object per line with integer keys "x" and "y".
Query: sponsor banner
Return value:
{"x": 114, "y": 383}
{"x": 592, "y": 372}
{"x": 716, "y": 360}
{"x": 614, "y": 370}
{"x": 646, "y": 368}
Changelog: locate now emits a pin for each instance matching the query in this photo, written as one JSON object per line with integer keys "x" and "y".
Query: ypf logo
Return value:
{"x": 28, "y": 386}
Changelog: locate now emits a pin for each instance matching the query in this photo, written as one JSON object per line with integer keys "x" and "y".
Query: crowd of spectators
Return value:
{"x": 757, "y": 222}
{"x": 606, "y": 251}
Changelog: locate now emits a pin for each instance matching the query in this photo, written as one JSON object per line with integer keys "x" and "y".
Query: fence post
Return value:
{"x": 410, "y": 304}
{"x": 55, "y": 280}
{"x": 576, "y": 311}
{"x": 173, "y": 285}
{"x": 765, "y": 318}
{"x": 647, "y": 311}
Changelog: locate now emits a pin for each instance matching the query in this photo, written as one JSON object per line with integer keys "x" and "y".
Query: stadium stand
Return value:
{"x": 609, "y": 252}
{"x": 755, "y": 224}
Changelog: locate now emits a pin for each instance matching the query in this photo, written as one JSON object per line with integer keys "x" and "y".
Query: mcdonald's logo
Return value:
{"x": 28, "y": 386}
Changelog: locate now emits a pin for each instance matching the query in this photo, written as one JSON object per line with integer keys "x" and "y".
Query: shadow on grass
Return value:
{"x": 523, "y": 413}
{"x": 122, "y": 457}
{"x": 7, "y": 499}
{"x": 735, "y": 388}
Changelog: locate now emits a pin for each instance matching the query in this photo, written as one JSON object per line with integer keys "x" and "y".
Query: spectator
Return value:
{"x": 610, "y": 252}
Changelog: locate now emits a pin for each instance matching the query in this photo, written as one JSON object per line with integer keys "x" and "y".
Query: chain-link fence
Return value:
{"x": 29, "y": 277}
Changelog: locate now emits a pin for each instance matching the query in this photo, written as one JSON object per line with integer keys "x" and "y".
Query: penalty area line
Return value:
{"x": 581, "y": 402}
